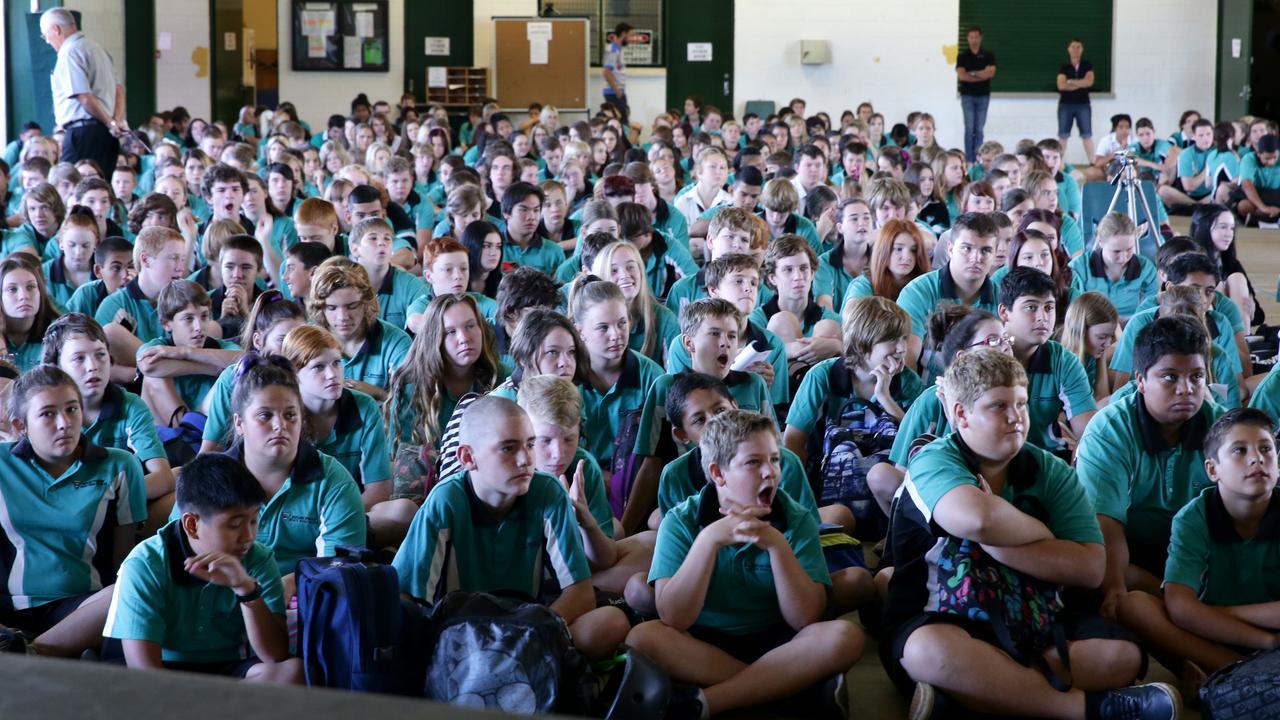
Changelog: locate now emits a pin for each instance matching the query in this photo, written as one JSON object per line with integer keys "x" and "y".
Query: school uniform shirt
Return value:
{"x": 396, "y": 293}
{"x": 1035, "y": 479}
{"x": 1056, "y": 383}
{"x": 742, "y": 597}
{"x": 779, "y": 390}
{"x": 1262, "y": 177}
{"x": 668, "y": 328}
{"x": 812, "y": 315}
{"x": 858, "y": 287}
{"x": 748, "y": 390}
{"x": 384, "y": 349}
{"x": 1132, "y": 476}
{"x": 797, "y": 224}
{"x": 667, "y": 263}
{"x": 1266, "y": 397}
{"x": 1224, "y": 166}
{"x": 605, "y": 411}
{"x": 1071, "y": 235}
{"x": 686, "y": 290}
{"x": 1221, "y": 305}
{"x": 358, "y": 440}
{"x": 59, "y": 285}
{"x": 487, "y": 306}
{"x": 670, "y": 222}
{"x": 87, "y": 298}
{"x": 1069, "y": 199}
{"x": 824, "y": 391}
{"x": 192, "y": 388}
{"x": 23, "y": 236}
{"x": 1207, "y": 554}
{"x": 926, "y": 416}
{"x": 596, "y": 492}
{"x": 1191, "y": 162}
{"x": 1122, "y": 358}
{"x": 317, "y": 510}
{"x": 124, "y": 422}
{"x": 131, "y": 307}
{"x": 406, "y": 421}
{"x": 193, "y": 621}
{"x": 684, "y": 478}
{"x": 541, "y": 254}
{"x": 456, "y": 543}
{"x": 217, "y": 424}
{"x": 690, "y": 205}
{"x": 1139, "y": 281}
{"x": 922, "y": 296}
{"x": 831, "y": 278}
{"x": 28, "y": 354}
{"x": 50, "y": 526}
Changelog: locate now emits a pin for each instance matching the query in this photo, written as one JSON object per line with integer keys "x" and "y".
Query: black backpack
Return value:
{"x": 1245, "y": 690}
{"x": 504, "y": 653}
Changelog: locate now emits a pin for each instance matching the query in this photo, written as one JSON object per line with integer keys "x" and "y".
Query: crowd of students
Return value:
{"x": 706, "y": 394}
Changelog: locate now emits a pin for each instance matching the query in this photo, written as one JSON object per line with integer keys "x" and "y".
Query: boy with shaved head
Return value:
{"x": 486, "y": 528}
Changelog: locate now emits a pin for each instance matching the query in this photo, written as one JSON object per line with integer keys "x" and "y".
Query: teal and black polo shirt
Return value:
{"x": 358, "y": 440}
{"x": 87, "y": 298}
{"x": 668, "y": 328}
{"x": 1262, "y": 177}
{"x": 384, "y": 349}
{"x": 672, "y": 224}
{"x": 57, "y": 282}
{"x": 192, "y": 388}
{"x": 1191, "y": 162}
{"x": 1221, "y": 305}
{"x": 1122, "y": 358}
{"x": 742, "y": 596}
{"x": 926, "y": 416}
{"x": 830, "y": 277}
{"x": 748, "y": 391}
{"x": 124, "y": 422}
{"x": 1133, "y": 476}
{"x": 193, "y": 621}
{"x": 456, "y": 543}
{"x": 1207, "y": 554}
{"x": 779, "y": 390}
{"x": 130, "y": 306}
{"x": 826, "y": 393}
{"x": 1139, "y": 282}
{"x": 488, "y": 306}
{"x": 813, "y": 313}
{"x": 14, "y": 239}
{"x": 398, "y": 291}
{"x": 605, "y": 411}
{"x": 28, "y": 354}
{"x": 541, "y": 254}
{"x": 1056, "y": 382}
{"x": 923, "y": 295}
{"x": 684, "y": 478}
{"x": 55, "y": 533}
{"x": 668, "y": 262}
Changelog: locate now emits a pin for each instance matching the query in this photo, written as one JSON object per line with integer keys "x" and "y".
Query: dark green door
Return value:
{"x": 226, "y": 77}
{"x": 700, "y": 24}
{"x": 1235, "y": 54}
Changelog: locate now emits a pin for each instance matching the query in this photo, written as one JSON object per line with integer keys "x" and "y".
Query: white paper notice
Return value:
{"x": 538, "y": 31}
{"x": 699, "y": 52}
{"x": 364, "y": 24}
{"x": 164, "y": 41}
{"x": 316, "y": 46}
{"x": 229, "y": 41}
{"x": 351, "y": 48}
{"x": 437, "y": 77}
{"x": 318, "y": 22}
{"x": 437, "y": 46}
{"x": 1235, "y": 47}
{"x": 538, "y": 52}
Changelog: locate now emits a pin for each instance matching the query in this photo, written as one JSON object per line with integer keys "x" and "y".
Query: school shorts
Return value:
{"x": 230, "y": 668}
{"x": 747, "y": 648}
{"x": 1077, "y": 626}
{"x": 1270, "y": 196}
{"x": 39, "y": 619}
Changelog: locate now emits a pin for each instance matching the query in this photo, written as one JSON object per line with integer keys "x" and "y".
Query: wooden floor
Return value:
{"x": 1260, "y": 252}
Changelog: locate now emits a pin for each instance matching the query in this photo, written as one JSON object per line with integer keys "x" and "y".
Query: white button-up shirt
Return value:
{"x": 83, "y": 66}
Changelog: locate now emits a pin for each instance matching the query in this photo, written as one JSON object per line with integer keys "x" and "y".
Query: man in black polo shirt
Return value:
{"x": 1075, "y": 77}
{"x": 975, "y": 67}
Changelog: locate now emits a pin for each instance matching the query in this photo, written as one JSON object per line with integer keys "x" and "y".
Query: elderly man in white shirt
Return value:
{"x": 88, "y": 101}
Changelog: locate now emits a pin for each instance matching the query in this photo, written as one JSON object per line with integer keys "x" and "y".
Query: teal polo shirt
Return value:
{"x": 748, "y": 391}
{"x": 832, "y": 279}
{"x": 541, "y": 254}
{"x": 1207, "y": 554}
{"x": 1262, "y": 177}
{"x": 28, "y": 354}
{"x": 1071, "y": 235}
{"x": 1133, "y": 477}
{"x": 858, "y": 287}
{"x": 134, "y": 311}
{"x": 384, "y": 349}
{"x": 448, "y": 403}
{"x": 672, "y": 224}
{"x": 1223, "y": 166}
{"x": 1191, "y": 162}
{"x": 741, "y": 597}
{"x": 684, "y": 478}
{"x": 922, "y": 296}
{"x": 813, "y": 314}
{"x": 193, "y": 621}
{"x": 797, "y": 224}
{"x": 608, "y": 409}
{"x": 686, "y": 290}
{"x": 217, "y": 426}
{"x": 317, "y": 510}
{"x": 668, "y": 262}
{"x": 1056, "y": 382}
{"x": 926, "y": 416}
{"x": 779, "y": 390}
{"x": 49, "y": 526}
{"x": 827, "y": 392}
{"x": 1122, "y": 358}
{"x": 1221, "y": 305}
{"x": 358, "y": 440}
{"x": 1139, "y": 281}
{"x": 398, "y": 291}
{"x": 1068, "y": 193}
{"x": 192, "y": 388}
{"x": 57, "y": 282}
{"x": 23, "y": 236}
{"x": 87, "y": 298}
{"x": 456, "y": 543}
{"x": 569, "y": 269}
{"x": 124, "y": 422}
{"x": 488, "y": 306}
{"x": 668, "y": 328}
{"x": 1266, "y": 397}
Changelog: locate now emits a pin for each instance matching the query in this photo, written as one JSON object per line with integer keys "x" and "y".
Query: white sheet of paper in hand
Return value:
{"x": 748, "y": 356}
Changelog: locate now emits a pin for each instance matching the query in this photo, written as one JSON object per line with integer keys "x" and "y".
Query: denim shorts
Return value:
{"x": 1082, "y": 113}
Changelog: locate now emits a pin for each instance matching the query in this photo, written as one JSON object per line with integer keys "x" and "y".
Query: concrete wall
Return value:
{"x": 182, "y": 72}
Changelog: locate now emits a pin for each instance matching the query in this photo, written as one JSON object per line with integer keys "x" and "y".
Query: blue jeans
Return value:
{"x": 1081, "y": 113}
{"x": 975, "y": 117}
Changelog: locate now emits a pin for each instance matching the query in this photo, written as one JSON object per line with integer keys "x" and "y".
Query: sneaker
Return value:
{"x": 835, "y": 698}
{"x": 1154, "y": 701}
{"x": 922, "y": 701}
{"x": 687, "y": 702}
{"x": 12, "y": 641}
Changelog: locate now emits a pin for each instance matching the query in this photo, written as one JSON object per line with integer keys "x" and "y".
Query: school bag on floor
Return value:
{"x": 504, "y": 653}
{"x": 1245, "y": 690}
{"x": 356, "y": 632}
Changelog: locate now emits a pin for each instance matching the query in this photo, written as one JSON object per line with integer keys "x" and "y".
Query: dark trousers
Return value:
{"x": 91, "y": 141}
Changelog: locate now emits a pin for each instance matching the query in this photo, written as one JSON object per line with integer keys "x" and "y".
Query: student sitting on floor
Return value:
{"x": 240, "y": 264}
{"x": 528, "y": 513}
{"x": 27, "y": 309}
{"x": 730, "y": 231}
{"x": 1219, "y": 589}
{"x": 739, "y": 582}
{"x": 371, "y": 242}
{"x": 811, "y": 331}
{"x": 446, "y": 266}
{"x": 300, "y": 263}
{"x": 982, "y": 504}
{"x": 195, "y": 594}
{"x": 1115, "y": 268}
{"x": 112, "y": 269}
{"x": 128, "y": 315}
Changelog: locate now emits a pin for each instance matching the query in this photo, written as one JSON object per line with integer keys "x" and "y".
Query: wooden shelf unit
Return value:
{"x": 463, "y": 86}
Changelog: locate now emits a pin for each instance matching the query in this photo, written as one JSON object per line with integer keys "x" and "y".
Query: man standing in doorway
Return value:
{"x": 1075, "y": 77}
{"x": 615, "y": 71}
{"x": 974, "y": 68}
{"x": 88, "y": 101}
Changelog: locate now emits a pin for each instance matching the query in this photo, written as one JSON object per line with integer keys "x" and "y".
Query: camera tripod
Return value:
{"x": 1129, "y": 186}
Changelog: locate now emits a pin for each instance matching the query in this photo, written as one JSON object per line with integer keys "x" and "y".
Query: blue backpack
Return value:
{"x": 356, "y": 631}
